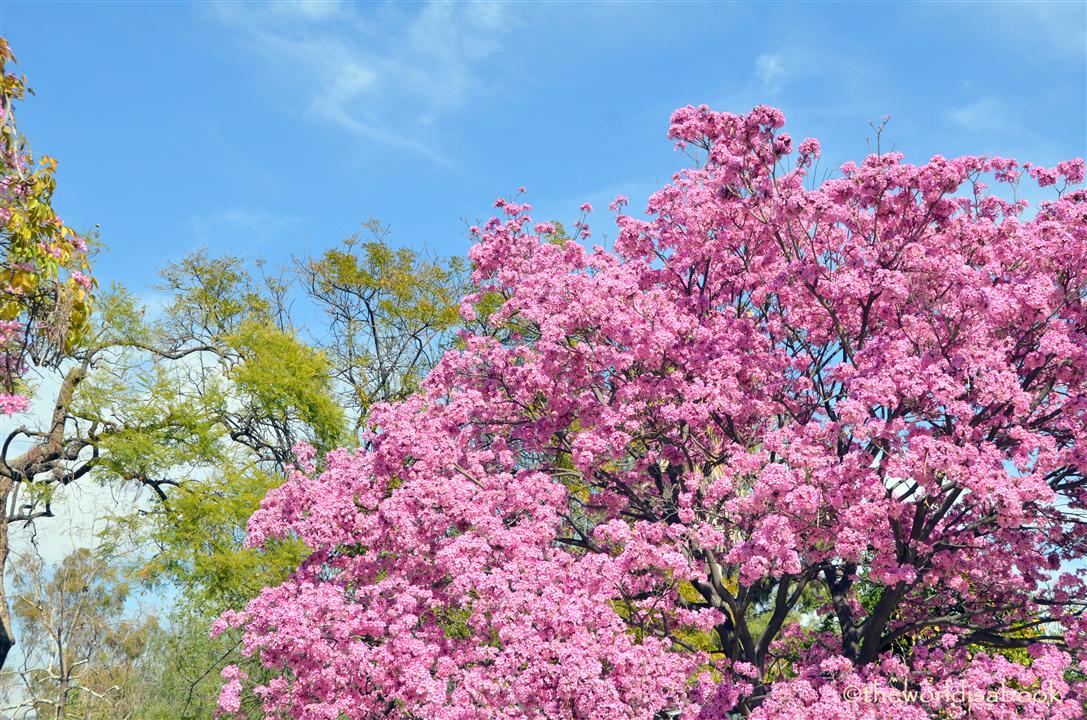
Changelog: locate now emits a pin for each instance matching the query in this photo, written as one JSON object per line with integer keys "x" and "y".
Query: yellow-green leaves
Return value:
{"x": 45, "y": 285}
{"x": 389, "y": 312}
{"x": 285, "y": 379}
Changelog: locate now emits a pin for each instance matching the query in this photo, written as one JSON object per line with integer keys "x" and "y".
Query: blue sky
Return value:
{"x": 277, "y": 129}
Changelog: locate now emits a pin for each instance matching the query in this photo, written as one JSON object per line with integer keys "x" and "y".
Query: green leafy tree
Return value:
{"x": 80, "y": 646}
{"x": 201, "y": 401}
{"x": 388, "y": 314}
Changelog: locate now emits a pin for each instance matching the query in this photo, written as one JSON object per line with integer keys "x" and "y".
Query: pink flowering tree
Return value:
{"x": 783, "y": 452}
{"x": 45, "y": 288}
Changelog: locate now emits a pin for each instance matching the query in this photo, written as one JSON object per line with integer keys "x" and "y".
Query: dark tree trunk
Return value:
{"x": 7, "y": 632}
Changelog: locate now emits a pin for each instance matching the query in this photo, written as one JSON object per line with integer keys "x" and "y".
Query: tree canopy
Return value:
{"x": 788, "y": 451}
{"x": 788, "y": 448}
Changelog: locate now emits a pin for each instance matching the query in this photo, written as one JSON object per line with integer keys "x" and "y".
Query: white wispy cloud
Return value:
{"x": 248, "y": 219}
{"x": 770, "y": 71}
{"x": 385, "y": 72}
{"x": 243, "y": 228}
{"x": 311, "y": 10}
{"x": 983, "y": 115}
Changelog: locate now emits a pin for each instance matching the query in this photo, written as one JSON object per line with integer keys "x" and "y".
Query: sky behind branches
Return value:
{"x": 276, "y": 129}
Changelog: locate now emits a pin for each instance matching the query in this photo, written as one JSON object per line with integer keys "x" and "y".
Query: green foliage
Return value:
{"x": 201, "y": 398}
{"x": 210, "y": 297}
{"x": 389, "y": 312}
{"x": 204, "y": 401}
{"x": 182, "y": 666}
{"x": 201, "y": 542}
{"x": 283, "y": 380}
{"x": 151, "y": 426}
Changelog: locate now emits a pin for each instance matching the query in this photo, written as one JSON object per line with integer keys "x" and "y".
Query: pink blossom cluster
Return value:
{"x": 13, "y": 404}
{"x": 779, "y": 442}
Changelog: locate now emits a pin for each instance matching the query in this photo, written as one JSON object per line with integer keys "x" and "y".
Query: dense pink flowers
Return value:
{"x": 13, "y": 404}
{"x": 780, "y": 444}
{"x": 231, "y": 693}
